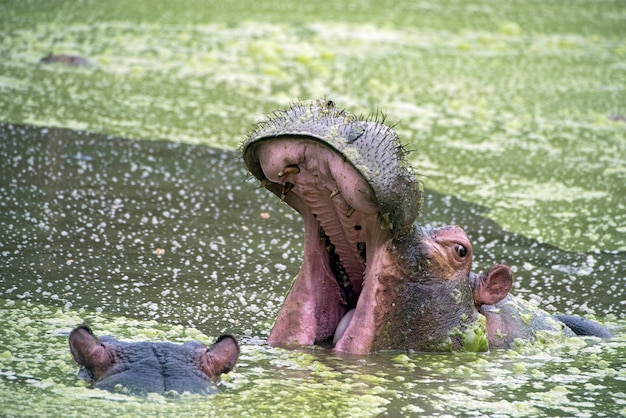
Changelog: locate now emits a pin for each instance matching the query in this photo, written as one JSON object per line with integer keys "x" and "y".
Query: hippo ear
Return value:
{"x": 494, "y": 286}
{"x": 221, "y": 357}
{"x": 82, "y": 344}
{"x": 88, "y": 352}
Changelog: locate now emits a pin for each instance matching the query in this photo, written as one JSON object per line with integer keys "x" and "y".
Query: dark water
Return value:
{"x": 99, "y": 228}
{"x": 84, "y": 216}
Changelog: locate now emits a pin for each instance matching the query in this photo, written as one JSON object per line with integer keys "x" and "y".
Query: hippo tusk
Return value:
{"x": 343, "y": 325}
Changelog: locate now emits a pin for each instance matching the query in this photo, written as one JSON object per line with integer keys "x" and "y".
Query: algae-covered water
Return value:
{"x": 165, "y": 241}
{"x": 515, "y": 112}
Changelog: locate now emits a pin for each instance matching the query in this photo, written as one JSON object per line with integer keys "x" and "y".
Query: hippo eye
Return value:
{"x": 461, "y": 251}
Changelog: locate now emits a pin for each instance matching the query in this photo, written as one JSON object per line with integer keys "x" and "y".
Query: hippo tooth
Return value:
{"x": 291, "y": 169}
{"x": 343, "y": 325}
{"x": 286, "y": 189}
{"x": 350, "y": 212}
{"x": 383, "y": 221}
{"x": 334, "y": 193}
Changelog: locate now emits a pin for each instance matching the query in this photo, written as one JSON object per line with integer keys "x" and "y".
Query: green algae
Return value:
{"x": 472, "y": 91}
{"x": 453, "y": 79}
{"x": 474, "y": 339}
{"x": 539, "y": 379}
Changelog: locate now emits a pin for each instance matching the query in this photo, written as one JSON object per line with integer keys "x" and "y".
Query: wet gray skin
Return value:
{"x": 511, "y": 318}
{"x": 365, "y": 280}
{"x": 140, "y": 368}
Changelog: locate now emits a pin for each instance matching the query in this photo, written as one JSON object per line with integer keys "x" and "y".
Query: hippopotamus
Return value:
{"x": 371, "y": 277}
{"x": 71, "y": 60}
{"x": 366, "y": 282}
{"x": 139, "y": 368}
{"x": 510, "y": 318}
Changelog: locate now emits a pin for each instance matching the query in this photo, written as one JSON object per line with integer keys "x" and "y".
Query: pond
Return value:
{"x": 160, "y": 240}
{"x": 515, "y": 115}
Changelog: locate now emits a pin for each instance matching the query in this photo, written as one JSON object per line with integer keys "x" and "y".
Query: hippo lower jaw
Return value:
{"x": 346, "y": 246}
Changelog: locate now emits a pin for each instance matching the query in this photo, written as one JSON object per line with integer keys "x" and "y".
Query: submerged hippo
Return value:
{"x": 510, "y": 318}
{"x": 140, "y": 368}
{"x": 71, "y": 60}
{"x": 365, "y": 281}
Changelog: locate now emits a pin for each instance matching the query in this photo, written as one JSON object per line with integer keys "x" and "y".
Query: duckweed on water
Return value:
{"x": 475, "y": 88}
{"x": 515, "y": 111}
{"x": 40, "y": 377}
{"x": 475, "y": 339}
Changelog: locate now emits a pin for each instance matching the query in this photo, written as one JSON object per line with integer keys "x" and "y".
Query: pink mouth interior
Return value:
{"x": 343, "y": 231}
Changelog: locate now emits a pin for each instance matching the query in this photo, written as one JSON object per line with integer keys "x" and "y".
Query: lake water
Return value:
{"x": 514, "y": 112}
{"x": 159, "y": 240}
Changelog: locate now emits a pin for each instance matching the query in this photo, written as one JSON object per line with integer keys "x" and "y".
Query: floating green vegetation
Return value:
{"x": 575, "y": 377}
{"x": 475, "y": 338}
{"x": 516, "y": 106}
{"x": 519, "y": 107}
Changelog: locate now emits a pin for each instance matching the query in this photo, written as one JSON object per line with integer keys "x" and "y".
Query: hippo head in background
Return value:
{"x": 510, "y": 318}
{"x": 140, "y": 368}
{"x": 371, "y": 278}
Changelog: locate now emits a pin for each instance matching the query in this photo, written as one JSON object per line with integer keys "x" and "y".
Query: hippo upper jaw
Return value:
{"x": 349, "y": 180}
{"x": 346, "y": 248}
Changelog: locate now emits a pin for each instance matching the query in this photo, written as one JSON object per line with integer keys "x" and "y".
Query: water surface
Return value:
{"x": 516, "y": 115}
{"x": 165, "y": 241}
{"x": 519, "y": 108}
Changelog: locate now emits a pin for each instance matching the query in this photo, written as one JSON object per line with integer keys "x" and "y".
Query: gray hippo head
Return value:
{"x": 140, "y": 368}
{"x": 371, "y": 278}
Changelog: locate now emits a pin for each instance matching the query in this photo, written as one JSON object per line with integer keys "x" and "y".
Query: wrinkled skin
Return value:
{"x": 510, "y": 318}
{"x": 434, "y": 309}
{"x": 367, "y": 265}
{"x": 140, "y": 368}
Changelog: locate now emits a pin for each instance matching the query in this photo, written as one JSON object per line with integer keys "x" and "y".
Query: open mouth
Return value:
{"x": 342, "y": 222}
{"x": 336, "y": 186}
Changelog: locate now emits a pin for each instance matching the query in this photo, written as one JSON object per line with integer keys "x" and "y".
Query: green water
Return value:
{"x": 83, "y": 216}
{"x": 571, "y": 378}
{"x": 508, "y": 106}
{"x": 515, "y": 113}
